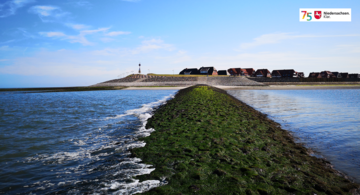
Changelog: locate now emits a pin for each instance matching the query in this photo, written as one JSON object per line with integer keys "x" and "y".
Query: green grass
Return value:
{"x": 207, "y": 142}
{"x": 62, "y": 89}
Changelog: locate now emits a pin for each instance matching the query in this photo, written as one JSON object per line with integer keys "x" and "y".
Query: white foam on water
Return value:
{"x": 93, "y": 150}
{"x": 80, "y": 143}
{"x": 143, "y": 113}
{"x": 133, "y": 188}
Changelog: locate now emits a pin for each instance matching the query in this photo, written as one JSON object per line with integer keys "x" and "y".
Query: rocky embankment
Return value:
{"x": 207, "y": 142}
{"x": 153, "y": 81}
{"x": 142, "y": 80}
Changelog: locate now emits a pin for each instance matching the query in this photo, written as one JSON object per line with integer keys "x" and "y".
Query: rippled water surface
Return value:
{"x": 328, "y": 121}
{"x": 74, "y": 142}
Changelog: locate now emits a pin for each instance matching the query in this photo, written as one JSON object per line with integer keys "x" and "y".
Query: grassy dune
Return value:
{"x": 207, "y": 142}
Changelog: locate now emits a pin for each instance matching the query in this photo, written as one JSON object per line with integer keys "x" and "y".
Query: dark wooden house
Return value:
{"x": 284, "y": 73}
{"x": 208, "y": 71}
{"x": 248, "y": 72}
{"x": 354, "y": 75}
{"x": 326, "y": 74}
{"x": 336, "y": 75}
{"x": 189, "y": 71}
{"x": 235, "y": 71}
{"x": 275, "y": 74}
{"x": 314, "y": 75}
{"x": 344, "y": 75}
{"x": 262, "y": 73}
{"x": 222, "y": 72}
{"x": 301, "y": 74}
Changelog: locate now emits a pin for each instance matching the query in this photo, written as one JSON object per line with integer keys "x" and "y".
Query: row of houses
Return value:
{"x": 250, "y": 72}
{"x": 328, "y": 74}
{"x": 201, "y": 71}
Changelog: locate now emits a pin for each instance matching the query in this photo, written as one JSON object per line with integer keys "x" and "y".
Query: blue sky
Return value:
{"x": 48, "y": 43}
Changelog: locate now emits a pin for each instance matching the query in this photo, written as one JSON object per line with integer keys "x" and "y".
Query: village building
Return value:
{"x": 336, "y": 75}
{"x": 262, "y": 73}
{"x": 326, "y": 74}
{"x": 248, "y": 72}
{"x": 189, "y": 71}
{"x": 208, "y": 71}
{"x": 284, "y": 73}
{"x": 314, "y": 75}
{"x": 222, "y": 72}
{"x": 235, "y": 71}
{"x": 354, "y": 75}
{"x": 301, "y": 74}
{"x": 275, "y": 74}
{"x": 344, "y": 75}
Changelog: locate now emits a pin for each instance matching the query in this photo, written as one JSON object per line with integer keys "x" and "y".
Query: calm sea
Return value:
{"x": 328, "y": 121}
{"x": 75, "y": 142}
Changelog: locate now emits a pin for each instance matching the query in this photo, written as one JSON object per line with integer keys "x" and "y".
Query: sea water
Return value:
{"x": 327, "y": 121}
{"x": 75, "y": 142}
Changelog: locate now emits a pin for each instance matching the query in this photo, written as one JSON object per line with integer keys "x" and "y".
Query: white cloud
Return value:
{"x": 87, "y": 32}
{"x": 80, "y": 3}
{"x": 9, "y": 8}
{"x": 53, "y": 34}
{"x": 146, "y": 46}
{"x": 107, "y": 39}
{"x": 278, "y": 37}
{"x": 77, "y": 26}
{"x": 153, "y": 44}
{"x": 80, "y": 38}
{"x": 3, "y": 60}
{"x": 116, "y": 33}
{"x": 4, "y": 48}
{"x": 48, "y": 13}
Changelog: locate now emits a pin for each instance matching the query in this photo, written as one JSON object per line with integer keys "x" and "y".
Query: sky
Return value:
{"x": 51, "y": 43}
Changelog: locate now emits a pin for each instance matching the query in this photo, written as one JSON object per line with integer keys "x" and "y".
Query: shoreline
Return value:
{"x": 289, "y": 87}
{"x": 59, "y": 89}
{"x": 94, "y": 88}
{"x": 200, "y": 148}
{"x": 270, "y": 87}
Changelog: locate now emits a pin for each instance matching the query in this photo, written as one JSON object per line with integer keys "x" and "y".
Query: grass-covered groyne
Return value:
{"x": 207, "y": 142}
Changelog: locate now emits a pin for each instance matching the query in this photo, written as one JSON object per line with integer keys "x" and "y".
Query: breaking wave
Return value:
{"x": 105, "y": 150}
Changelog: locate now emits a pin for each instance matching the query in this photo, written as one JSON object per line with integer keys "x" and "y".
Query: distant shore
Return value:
{"x": 290, "y": 87}
{"x": 60, "y": 89}
{"x": 270, "y": 87}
